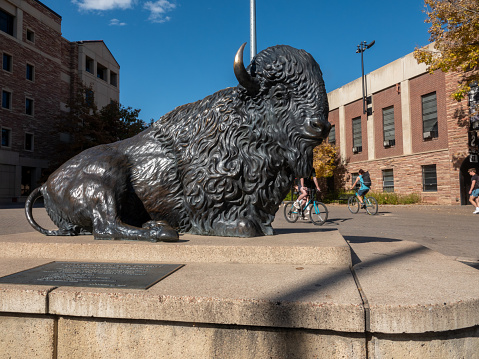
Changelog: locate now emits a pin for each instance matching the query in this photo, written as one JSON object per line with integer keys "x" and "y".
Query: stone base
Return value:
{"x": 287, "y": 296}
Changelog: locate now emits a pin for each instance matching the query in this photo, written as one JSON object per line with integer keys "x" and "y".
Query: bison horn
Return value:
{"x": 244, "y": 78}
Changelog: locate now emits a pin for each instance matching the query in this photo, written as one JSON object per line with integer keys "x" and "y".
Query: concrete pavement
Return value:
{"x": 243, "y": 298}
{"x": 449, "y": 230}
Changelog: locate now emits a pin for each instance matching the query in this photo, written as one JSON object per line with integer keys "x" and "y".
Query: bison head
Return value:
{"x": 285, "y": 87}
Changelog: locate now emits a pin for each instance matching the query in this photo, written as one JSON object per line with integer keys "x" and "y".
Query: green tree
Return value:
{"x": 455, "y": 33}
{"x": 84, "y": 126}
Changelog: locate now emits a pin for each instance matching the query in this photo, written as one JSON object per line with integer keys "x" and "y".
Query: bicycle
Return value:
{"x": 318, "y": 213}
{"x": 371, "y": 205}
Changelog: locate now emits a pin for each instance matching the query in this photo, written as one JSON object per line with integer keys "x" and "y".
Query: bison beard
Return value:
{"x": 220, "y": 166}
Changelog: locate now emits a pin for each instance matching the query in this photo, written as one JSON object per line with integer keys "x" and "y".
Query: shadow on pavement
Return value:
{"x": 303, "y": 230}
{"x": 361, "y": 239}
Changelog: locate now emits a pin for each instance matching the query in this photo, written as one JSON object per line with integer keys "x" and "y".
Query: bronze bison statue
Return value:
{"x": 220, "y": 166}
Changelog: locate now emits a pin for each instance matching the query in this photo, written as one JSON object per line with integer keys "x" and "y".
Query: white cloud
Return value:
{"x": 116, "y": 22}
{"x": 158, "y": 9}
{"x": 104, "y": 4}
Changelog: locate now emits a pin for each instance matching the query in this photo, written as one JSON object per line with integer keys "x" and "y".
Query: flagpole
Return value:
{"x": 252, "y": 28}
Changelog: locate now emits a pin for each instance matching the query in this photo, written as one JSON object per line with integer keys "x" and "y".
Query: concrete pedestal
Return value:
{"x": 294, "y": 295}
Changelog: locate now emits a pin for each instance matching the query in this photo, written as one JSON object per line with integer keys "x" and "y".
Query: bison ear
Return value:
{"x": 244, "y": 78}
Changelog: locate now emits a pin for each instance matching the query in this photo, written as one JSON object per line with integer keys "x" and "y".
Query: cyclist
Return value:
{"x": 363, "y": 189}
{"x": 305, "y": 184}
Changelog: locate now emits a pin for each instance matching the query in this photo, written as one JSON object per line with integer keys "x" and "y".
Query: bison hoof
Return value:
{"x": 161, "y": 231}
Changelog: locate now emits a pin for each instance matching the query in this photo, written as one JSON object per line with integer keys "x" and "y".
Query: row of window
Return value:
{"x": 7, "y": 65}
{"x": 7, "y": 25}
{"x": 7, "y": 139}
{"x": 429, "y": 179}
{"x": 101, "y": 71}
{"x": 7, "y": 103}
{"x": 429, "y": 124}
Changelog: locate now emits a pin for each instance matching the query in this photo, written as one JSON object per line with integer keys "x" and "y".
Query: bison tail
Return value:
{"x": 36, "y": 194}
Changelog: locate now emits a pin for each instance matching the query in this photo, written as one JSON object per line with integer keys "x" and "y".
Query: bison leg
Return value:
{"x": 107, "y": 224}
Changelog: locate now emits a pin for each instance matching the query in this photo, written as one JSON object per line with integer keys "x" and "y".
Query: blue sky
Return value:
{"x": 179, "y": 51}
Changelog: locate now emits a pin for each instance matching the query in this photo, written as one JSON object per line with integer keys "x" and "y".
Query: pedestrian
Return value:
{"x": 474, "y": 191}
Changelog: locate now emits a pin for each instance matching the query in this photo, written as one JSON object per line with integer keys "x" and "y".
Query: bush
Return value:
{"x": 395, "y": 198}
{"x": 381, "y": 197}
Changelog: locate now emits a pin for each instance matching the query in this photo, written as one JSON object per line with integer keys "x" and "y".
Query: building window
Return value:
{"x": 388, "y": 180}
{"x": 89, "y": 98}
{"x": 332, "y": 135}
{"x": 89, "y": 65}
{"x": 429, "y": 178}
{"x": 6, "y": 22}
{"x": 28, "y": 141}
{"x": 7, "y": 63}
{"x": 6, "y": 100}
{"x": 389, "y": 133}
{"x": 29, "y": 106}
{"x": 353, "y": 179}
{"x": 30, "y": 72}
{"x": 30, "y": 35}
{"x": 357, "y": 135}
{"x": 6, "y": 137}
{"x": 429, "y": 116}
{"x": 113, "y": 78}
{"x": 101, "y": 72}
{"x": 474, "y": 106}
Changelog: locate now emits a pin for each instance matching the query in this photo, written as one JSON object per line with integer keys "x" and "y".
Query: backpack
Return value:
{"x": 366, "y": 179}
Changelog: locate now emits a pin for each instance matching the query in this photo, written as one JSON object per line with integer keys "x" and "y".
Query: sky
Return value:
{"x": 172, "y": 52}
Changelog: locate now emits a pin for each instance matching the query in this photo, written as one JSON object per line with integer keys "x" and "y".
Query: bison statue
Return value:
{"x": 220, "y": 166}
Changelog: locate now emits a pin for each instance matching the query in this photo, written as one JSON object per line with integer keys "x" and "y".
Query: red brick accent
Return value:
{"x": 381, "y": 100}
{"x": 354, "y": 110}
{"x": 333, "y": 119}
{"x": 423, "y": 85}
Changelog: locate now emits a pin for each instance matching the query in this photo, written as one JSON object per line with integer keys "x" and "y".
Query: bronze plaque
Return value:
{"x": 91, "y": 274}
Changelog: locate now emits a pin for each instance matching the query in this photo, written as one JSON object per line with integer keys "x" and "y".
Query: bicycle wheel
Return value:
{"x": 371, "y": 205}
{"x": 291, "y": 213}
{"x": 318, "y": 213}
{"x": 353, "y": 204}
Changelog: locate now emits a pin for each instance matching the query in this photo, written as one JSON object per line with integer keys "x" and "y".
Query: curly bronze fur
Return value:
{"x": 219, "y": 166}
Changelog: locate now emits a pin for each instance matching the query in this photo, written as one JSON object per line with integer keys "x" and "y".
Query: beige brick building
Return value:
{"x": 39, "y": 72}
{"x": 414, "y": 139}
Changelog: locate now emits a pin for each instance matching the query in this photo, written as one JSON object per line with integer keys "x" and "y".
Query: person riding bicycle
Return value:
{"x": 303, "y": 185}
{"x": 365, "y": 187}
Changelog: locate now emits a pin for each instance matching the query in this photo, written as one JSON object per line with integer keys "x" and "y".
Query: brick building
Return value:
{"x": 413, "y": 137}
{"x": 40, "y": 71}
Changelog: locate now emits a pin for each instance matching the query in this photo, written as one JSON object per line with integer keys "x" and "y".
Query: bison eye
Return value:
{"x": 279, "y": 92}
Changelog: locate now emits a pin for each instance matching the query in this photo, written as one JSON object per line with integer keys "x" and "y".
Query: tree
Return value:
{"x": 325, "y": 159}
{"x": 84, "y": 126}
{"x": 455, "y": 33}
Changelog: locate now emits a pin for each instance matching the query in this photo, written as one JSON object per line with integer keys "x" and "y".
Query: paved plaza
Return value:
{"x": 449, "y": 230}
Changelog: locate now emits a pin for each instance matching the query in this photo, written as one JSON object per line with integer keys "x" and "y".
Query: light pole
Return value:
{"x": 252, "y": 28}
{"x": 361, "y": 48}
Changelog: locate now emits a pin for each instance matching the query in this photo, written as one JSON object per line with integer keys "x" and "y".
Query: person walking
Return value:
{"x": 474, "y": 190}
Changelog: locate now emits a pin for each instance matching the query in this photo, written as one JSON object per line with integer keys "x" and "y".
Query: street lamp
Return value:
{"x": 363, "y": 46}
